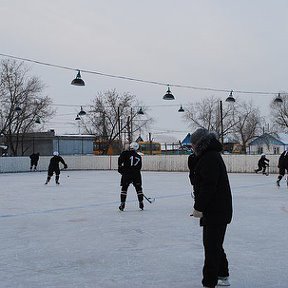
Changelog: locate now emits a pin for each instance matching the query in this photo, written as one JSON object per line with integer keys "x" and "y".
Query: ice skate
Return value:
{"x": 122, "y": 206}
{"x": 278, "y": 183}
{"x": 57, "y": 183}
{"x": 141, "y": 205}
{"x": 223, "y": 281}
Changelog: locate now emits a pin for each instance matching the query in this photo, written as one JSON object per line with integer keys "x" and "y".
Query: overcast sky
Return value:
{"x": 239, "y": 45}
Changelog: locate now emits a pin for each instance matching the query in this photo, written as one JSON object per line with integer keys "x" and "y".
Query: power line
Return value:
{"x": 136, "y": 79}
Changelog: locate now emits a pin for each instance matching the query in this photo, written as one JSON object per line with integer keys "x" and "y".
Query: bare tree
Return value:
{"x": 279, "y": 113}
{"x": 248, "y": 124}
{"x": 21, "y": 102}
{"x": 113, "y": 117}
{"x": 207, "y": 114}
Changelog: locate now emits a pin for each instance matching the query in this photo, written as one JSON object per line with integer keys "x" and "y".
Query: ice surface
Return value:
{"x": 73, "y": 235}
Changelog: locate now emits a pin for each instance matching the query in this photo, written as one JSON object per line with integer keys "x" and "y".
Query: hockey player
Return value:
{"x": 262, "y": 164}
{"x": 54, "y": 167}
{"x": 282, "y": 165}
{"x": 129, "y": 166}
{"x": 34, "y": 158}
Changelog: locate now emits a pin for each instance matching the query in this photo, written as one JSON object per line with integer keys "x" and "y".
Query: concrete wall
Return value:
{"x": 234, "y": 163}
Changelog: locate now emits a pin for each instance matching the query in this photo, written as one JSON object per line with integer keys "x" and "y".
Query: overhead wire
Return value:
{"x": 136, "y": 79}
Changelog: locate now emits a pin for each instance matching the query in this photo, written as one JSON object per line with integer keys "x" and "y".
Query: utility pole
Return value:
{"x": 119, "y": 128}
{"x": 221, "y": 123}
{"x": 150, "y": 143}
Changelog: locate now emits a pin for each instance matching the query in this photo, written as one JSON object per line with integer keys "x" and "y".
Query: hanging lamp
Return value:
{"x": 78, "y": 81}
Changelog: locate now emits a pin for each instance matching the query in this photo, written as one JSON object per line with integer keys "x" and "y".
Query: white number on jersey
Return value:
{"x": 134, "y": 160}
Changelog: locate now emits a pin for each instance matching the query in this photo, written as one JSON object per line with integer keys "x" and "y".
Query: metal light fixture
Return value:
{"x": 78, "y": 81}
{"x": 181, "y": 109}
{"x": 278, "y": 99}
{"x": 168, "y": 95}
{"x": 37, "y": 121}
{"x": 140, "y": 111}
{"x": 77, "y": 117}
{"x": 82, "y": 112}
{"x": 18, "y": 109}
{"x": 230, "y": 97}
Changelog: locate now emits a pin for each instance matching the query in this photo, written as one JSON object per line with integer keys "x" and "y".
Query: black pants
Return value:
{"x": 215, "y": 264}
{"x": 260, "y": 167}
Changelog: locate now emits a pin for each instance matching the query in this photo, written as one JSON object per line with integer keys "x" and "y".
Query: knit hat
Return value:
{"x": 199, "y": 135}
{"x": 201, "y": 139}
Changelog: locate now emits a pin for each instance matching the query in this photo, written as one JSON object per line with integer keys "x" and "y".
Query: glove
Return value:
{"x": 65, "y": 166}
{"x": 197, "y": 214}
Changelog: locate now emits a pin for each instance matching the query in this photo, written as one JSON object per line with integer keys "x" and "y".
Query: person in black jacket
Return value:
{"x": 54, "y": 167}
{"x": 129, "y": 166}
{"x": 34, "y": 158}
{"x": 283, "y": 166}
{"x": 263, "y": 162}
{"x": 213, "y": 204}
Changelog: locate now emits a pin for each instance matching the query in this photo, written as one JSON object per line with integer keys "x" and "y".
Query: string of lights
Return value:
{"x": 135, "y": 79}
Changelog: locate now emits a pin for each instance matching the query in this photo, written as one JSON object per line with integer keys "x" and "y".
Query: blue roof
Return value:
{"x": 187, "y": 140}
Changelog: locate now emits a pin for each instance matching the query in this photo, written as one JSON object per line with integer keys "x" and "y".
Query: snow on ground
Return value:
{"x": 73, "y": 235}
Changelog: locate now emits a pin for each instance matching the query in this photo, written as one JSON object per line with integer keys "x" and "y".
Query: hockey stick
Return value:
{"x": 149, "y": 199}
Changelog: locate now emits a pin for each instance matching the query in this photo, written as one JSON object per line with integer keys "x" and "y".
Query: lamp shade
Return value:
{"x": 168, "y": 95}
{"x": 181, "y": 109}
{"x": 140, "y": 111}
{"x": 82, "y": 112}
{"x": 78, "y": 81}
{"x": 18, "y": 109}
{"x": 278, "y": 99}
{"x": 37, "y": 120}
{"x": 230, "y": 98}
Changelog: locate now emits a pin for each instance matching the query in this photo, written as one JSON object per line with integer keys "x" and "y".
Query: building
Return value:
{"x": 268, "y": 144}
{"x": 47, "y": 142}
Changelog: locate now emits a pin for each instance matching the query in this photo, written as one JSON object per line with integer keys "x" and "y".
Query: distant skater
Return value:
{"x": 282, "y": 165}
{"x": 263, "y": 162}
{"x": 34, "y": 158}
{"x": 129, "y": 166}
{"x": 54, "y": 167}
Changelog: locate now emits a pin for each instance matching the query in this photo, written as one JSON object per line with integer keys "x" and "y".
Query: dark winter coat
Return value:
{"x": 192, "y": 161}
{"x": 283, "y": 160}
{"x": 263, "y": 162}
{"x": 211, "y": 184}
{"x": 54, "y": 165}
{"x": 34, "y": 158}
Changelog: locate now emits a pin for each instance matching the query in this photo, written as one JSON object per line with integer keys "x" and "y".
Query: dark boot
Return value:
{"x": 48, "y": 179}
{"x": 122, "y": 206}
{"x": 123, "y": 196}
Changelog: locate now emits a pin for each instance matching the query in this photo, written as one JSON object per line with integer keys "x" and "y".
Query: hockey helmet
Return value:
{"x": 56, "y": 153}
{"x": 263, "y": 155}
{"x": 134, "y": 146}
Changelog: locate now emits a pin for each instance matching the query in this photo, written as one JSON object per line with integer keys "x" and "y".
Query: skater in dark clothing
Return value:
{"x": 129, "y": 166}
{"x": 54, "y": 167}
{"x": 213, "y": 205}
{"x": 283, "y": 166}
{"x": 262, "y": 164}
{"x": 34, "y": 158}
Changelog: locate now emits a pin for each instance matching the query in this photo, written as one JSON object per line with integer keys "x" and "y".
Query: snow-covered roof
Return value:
{"x": 283, "y": 137}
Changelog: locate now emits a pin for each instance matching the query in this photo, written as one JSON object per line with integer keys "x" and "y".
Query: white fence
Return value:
{"x": 234, "y": 163}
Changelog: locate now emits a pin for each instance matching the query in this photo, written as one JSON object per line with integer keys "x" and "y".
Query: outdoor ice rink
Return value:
{"x": 73, "y": 235}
